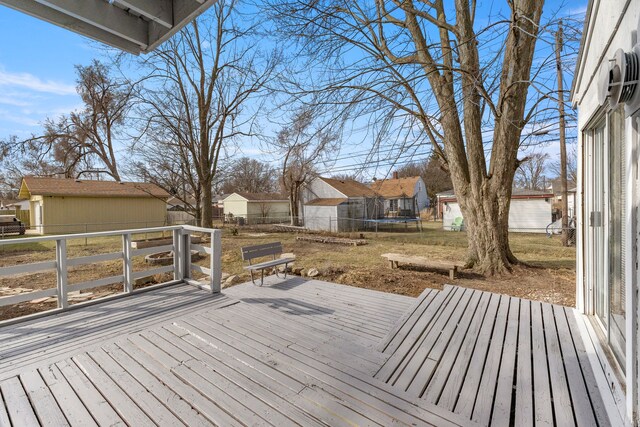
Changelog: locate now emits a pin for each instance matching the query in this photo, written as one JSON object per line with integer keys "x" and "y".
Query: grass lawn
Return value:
{"x": 549, "y": 277}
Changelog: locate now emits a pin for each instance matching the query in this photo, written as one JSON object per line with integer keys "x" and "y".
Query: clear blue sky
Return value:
{"x": 37, "y": 76}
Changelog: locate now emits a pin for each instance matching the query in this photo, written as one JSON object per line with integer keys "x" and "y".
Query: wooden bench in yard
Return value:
{"x": 395, "y": 259}
{"x": 250, "y": 253}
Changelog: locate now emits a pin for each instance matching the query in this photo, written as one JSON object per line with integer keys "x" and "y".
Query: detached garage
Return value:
{"x": 530, "y": 210}
{"x": 257, "y": 208}
{"x": 62, "y": 206}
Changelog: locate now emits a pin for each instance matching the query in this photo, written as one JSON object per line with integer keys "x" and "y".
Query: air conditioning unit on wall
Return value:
{"x": 619, "y": 79}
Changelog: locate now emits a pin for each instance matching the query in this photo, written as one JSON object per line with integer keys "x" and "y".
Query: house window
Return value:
{"x": 617, "y": 232}
{"x": 393, "y": 205}
{"x": 605, "y": 231}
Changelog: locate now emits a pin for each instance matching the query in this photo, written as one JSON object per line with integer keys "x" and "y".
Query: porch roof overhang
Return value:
{"x": 135, "y": 26}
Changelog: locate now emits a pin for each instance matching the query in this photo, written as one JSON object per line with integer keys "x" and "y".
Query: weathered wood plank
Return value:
{"x": 70, "y": 404}
{"x": 445, "y": 357}
{"x": 436, "y": 340}
{"x": 585, "y": 365}
{"x": 479, "y": 385}
{"x": 18, "y": 405}
{"x": 500, "y": 412}
{"x": 212, "y": 412}
{"x": 561, "y": 400}
{"x": 252, "y": 380}
{"x": 4, "y": 417}
{"x": 95, "y": 403}
{"x": 475, "y": 342}
{"x": 524, "y": 384}
{"x": 541, "y": 386}
{"x": 349, "y": 381}
{"x": 124, "y": 406}
{"x": 408, "y": 319}
{"x": 43, "y": 402}
{"x": 579, "y": 395}
{"x": 144, "y": 399}
{"x": 430, "y": 318}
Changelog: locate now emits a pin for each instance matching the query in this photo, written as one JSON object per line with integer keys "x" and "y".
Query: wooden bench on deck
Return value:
{"x": 250, "y": 253}
{"x": 395, "y": 259}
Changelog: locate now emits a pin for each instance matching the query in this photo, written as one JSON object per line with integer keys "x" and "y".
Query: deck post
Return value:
{"x": 61, "y": 273}
{"x": 177, "y": 255}
{"x": 216, "y": 261}
{"x": 127, "y": 266}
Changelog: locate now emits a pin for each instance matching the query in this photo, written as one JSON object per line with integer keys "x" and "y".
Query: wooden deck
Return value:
{"x": 494, "y": 359}
{"x": 298, "y": 352}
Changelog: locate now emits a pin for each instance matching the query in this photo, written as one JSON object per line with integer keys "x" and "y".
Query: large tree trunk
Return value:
{"x": 207, "y": 213}
{"x": 486, "y": 220}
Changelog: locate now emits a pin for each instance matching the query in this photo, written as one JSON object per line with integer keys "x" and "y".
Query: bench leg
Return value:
{"x": 262, "y": 277}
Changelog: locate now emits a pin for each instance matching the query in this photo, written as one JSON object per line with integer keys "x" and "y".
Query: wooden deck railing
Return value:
{"x": 182, "y": 267}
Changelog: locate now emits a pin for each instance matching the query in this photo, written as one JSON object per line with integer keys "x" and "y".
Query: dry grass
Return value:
{"x": 549, "y": 277}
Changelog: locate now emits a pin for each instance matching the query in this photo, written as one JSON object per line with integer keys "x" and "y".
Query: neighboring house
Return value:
{"x": 257, "y": 208}
{"x": 339, "y": 205}
{"x": 14, "y": 205}
{"x": 530, "y": 210}
{"x": 555, "y": 187}
{"x": 59, "y": 205}
{"x": 403, "y": 197}
{"x": 607, "y": 95}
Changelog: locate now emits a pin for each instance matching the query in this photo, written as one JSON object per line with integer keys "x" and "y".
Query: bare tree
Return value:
{"x": 409, "y": 65}
{"x": 436, "y": 178}
{"x": 572, "y": 165}
{"x": 201, "y": 86}
{"x": 531, "y": 172}
{"x": 250, "y": 176}
{"x": 303, "y": 144}
{"x": 78, "y": 140}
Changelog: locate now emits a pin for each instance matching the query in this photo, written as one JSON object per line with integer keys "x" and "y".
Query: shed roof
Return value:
{"x": 326, "y": 202}
{"x": 516, "y": 193}
{"x": 350, "y": 188}
{"x": 396, "y": 187}
{"x": 44, "y": 186}
{"x": 261, "y": 197}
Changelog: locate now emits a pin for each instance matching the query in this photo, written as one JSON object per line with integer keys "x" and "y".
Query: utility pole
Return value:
{"x": 563, "y": 142}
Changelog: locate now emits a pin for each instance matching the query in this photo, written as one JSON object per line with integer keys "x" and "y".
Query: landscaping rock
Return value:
{"x": 234, "y": 279}
{"x": 297, "y": 271}
{"x": 313, "y": 272}
{"x": 281, "y": 269}
{"x": 303, "y": 272}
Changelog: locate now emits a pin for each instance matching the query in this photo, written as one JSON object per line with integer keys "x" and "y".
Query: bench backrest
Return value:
{"x": 258, "y": 251}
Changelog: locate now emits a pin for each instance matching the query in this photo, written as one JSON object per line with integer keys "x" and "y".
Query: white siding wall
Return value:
{"x": 525, "y": 215}
{"x": 320, "y": 217}
{"x": 529, "y": 215}
{"x": 421, "y": 195}
{"x": 610, "y": 28}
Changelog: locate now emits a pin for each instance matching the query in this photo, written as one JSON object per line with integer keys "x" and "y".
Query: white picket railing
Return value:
{"x": 182, "y": 267}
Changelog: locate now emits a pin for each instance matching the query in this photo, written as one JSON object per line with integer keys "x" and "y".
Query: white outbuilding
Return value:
{"x": 530, "y": 210}
{"x": 257, "y": 208}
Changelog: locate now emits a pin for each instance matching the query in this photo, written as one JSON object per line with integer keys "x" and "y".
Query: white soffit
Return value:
{"x": 135, "y": 26}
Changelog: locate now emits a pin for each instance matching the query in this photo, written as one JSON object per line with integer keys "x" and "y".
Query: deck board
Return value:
{"x": 497, "y": 360}
{"x": 300, "y": 352}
